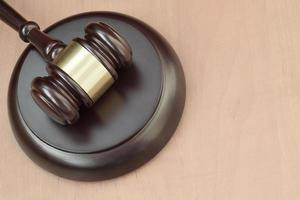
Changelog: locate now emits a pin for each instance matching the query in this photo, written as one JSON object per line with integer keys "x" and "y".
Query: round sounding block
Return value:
{"x": 126, "y": 127}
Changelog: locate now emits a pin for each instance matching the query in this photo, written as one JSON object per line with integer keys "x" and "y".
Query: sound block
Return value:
{"x": 129, "y": 125}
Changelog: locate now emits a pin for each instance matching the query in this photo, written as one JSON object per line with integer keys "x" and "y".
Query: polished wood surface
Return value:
{"x": 240, "y": 133}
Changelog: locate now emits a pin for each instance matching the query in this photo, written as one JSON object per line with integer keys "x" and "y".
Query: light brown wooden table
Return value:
{"x": 239, "y": 137}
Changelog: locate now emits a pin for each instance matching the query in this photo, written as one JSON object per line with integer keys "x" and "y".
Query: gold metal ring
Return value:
{"x": 82, "y": 66}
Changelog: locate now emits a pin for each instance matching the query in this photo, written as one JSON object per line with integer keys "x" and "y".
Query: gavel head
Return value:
{"x": 81, "y": 73}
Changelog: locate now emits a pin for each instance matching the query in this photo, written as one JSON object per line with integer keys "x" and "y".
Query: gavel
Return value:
{"x": 78, "y": 73}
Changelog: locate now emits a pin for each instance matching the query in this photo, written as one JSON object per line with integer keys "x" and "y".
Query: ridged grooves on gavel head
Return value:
{"x": 61, "y": 97}
{"x": 108, "y": 46}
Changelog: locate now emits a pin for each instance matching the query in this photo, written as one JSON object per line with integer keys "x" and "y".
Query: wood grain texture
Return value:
{"x": 240, "y": 133}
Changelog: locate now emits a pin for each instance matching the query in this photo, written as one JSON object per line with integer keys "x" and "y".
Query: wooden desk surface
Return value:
{"x": 240, "y": 133}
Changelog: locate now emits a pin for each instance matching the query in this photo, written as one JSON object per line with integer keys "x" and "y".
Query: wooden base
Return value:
{"x": 129, "y": 125}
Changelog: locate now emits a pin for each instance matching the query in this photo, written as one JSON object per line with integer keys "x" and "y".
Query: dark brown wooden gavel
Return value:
{"x": 79, "y": 73}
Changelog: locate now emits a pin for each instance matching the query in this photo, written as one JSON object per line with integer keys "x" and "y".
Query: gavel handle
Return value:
{"x": 30, "y": 32}
{"x": 10, "y": 16}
